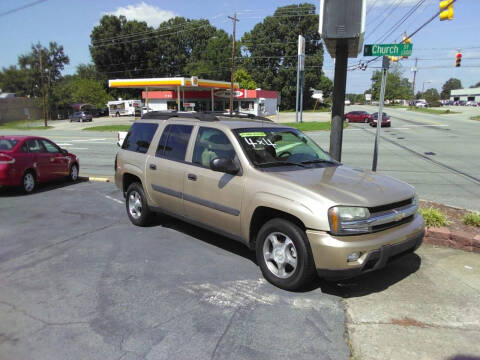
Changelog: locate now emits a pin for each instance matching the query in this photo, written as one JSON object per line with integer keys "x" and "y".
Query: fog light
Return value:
{"x": 354, "y": 256}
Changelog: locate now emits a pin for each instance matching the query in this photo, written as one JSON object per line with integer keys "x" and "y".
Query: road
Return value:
{"x": 79, "y": 281}
{"x": 438, "y": 154}
{"x": 435, "y": 153}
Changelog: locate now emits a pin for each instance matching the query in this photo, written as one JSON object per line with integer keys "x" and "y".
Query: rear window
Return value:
{"x": 139, "y": 137}
{"x": 8, "y": 144}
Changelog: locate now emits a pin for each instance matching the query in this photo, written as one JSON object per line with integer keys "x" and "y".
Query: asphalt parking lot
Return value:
{"x": 78, "y": 281}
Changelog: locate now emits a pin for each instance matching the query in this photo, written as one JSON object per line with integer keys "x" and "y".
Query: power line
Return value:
{"x": 21, "y": 7}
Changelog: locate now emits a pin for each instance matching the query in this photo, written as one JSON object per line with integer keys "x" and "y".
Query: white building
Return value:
{"x": 472, "y": 94}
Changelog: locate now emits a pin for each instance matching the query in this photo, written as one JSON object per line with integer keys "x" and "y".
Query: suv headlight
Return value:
{"x": 347, "y": 220}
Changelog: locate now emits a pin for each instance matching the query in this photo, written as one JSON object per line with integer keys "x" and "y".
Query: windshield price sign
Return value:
{"x": 388, "y": 50}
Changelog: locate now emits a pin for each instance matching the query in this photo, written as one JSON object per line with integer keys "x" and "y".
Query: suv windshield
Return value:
{"x": 268, "y": 147}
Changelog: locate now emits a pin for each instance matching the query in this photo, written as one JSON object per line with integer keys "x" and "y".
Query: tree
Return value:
{"x": 451, "y": 84}
{"x": 214, "y": 62}
{"x": 53, "y": 61}
{"x": 476, "y": 85}
{"x": 270, "y": 52}
{"x": 244, "y": 79}
{"x": 15, "y": 80}
{"x": 397, "y": 87}
{"x": 432, "y": 96}
{"x": 75, "y": 89}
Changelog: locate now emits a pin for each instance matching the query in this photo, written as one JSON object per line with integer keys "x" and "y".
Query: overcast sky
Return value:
{"x": 70, "y": 23}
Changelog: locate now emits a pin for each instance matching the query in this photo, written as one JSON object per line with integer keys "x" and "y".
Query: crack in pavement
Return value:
{"x": 424, "y": 325}
{"x": 45, "y": 322}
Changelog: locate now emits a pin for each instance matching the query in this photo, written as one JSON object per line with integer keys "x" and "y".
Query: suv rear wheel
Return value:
{"x": 136, "y": 203}
{"x": 284, "y": 255}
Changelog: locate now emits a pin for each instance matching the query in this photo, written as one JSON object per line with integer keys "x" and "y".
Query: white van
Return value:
{"x": 124, "y": 107}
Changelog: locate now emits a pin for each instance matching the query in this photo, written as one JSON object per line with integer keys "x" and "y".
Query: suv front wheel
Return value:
{"x": 137, "y": 208}
{"x": 283, "y": 254}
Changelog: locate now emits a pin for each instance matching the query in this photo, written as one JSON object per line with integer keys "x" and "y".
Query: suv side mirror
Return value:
{"x": 224, "y": 165}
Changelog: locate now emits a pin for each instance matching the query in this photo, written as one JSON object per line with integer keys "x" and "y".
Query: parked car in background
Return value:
{"x": 27, "y": 160}
{"x": 358, "y": 116}
{"x": 385, "y": 120}
{"x": 421, "y": 104}
{"x": 81, "y": 116}
{"x": 471, "y": 103}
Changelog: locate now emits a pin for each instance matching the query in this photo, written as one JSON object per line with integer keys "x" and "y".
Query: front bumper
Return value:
{"x": 330, "y": 252}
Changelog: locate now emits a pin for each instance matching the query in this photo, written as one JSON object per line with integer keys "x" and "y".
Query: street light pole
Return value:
{"x": 234, "y": 18}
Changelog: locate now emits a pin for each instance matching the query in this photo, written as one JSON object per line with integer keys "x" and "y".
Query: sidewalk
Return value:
{"x": 426, "y": 307}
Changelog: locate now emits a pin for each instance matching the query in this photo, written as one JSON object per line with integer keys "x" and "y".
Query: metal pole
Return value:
{"x": 213, "y": 102}
{"x": 338, "y": 106}
{"x": 43, "y": 90}
{"x": 233, "y": 61}
{"x": 178, "y": 98}
{"x": 414, "y": 76}
{"x": 302, "y": 80}
{"x": 380, "y": 111}
{"x": 298, "y": 89}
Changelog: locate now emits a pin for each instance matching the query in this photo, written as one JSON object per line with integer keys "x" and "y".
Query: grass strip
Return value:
{"x": 108, "y": 128}
{"x": 25, "y": 125}
{"x": 433, "y": 111}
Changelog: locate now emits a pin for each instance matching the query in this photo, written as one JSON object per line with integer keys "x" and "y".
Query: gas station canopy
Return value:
{"x": 180, "y": 84}
{"x": 170, "y": 83}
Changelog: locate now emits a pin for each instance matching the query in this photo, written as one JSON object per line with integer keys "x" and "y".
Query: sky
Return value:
{"x": 70, "y": 22}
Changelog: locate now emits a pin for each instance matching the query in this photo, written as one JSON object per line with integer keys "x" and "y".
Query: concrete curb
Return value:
{"x": 442, "y": 236}
{"x": 101, "y": 179}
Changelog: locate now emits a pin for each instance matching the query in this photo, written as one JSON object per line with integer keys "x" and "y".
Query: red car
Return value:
{"x": 358, "y": 116}
{"x": 28, "y": 160}
{"x": 385, "y": 120}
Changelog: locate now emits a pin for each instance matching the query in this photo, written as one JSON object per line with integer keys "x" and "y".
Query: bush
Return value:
{"x": 433, "y": 217}
{"x": 471, "y": 218}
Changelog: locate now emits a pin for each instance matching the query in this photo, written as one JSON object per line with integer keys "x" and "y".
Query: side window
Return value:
{"x": 174, "y": 141}
{"x": 34, "y": 146}
{"x": 24, "y": 148}
{"x": 50, "y": 147}
{"x": 139, "y": 137}
{"x": 211, "y": 144}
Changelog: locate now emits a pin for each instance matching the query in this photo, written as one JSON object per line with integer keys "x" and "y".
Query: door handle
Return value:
{"x": 153, "y": 166}
{"x": 192, "y": 177}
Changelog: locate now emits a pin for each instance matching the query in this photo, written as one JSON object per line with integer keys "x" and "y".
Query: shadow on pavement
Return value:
{"x": 41, "y": 187}
{"x": 207, "y": 236}
{"x": 360, "y": 286}
{"x": 375, "y": 281}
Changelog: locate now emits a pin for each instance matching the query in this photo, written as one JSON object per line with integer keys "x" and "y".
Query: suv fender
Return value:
{"x": 278, "y": 203}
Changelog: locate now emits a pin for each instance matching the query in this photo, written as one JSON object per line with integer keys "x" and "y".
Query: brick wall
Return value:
{"x": 13, "y": 109}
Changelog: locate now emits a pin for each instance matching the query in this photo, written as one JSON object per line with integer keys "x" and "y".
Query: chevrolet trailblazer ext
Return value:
{"x": 270, "y": 187}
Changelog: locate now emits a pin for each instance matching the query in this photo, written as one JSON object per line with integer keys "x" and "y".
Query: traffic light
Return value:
{"x": 458, "y": 59}
{"x": 446, "y": 10}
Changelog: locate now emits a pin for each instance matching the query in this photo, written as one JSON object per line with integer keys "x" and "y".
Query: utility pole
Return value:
{"x": 234, "y": 18}
{"x": 414, "y": 69}
{"x": 300, "y": 76}
{"x": 338, "y": 106}
{"x": 43, "y": 89}
{"x": 385, "y": 66}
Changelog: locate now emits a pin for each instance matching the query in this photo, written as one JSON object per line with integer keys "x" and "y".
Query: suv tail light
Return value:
{"x": 6, "y": 159}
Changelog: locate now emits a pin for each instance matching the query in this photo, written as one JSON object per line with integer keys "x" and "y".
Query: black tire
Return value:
{"x": 29, "y": 182}
{"x": 138, "y": 215}
{"x": 73, "y": 173}
{"x": 304, "y": 270}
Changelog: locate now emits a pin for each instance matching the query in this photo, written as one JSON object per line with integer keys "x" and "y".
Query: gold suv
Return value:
{"x": 270, "y": 187}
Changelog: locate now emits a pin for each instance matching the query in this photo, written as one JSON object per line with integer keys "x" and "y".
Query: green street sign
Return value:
{"x": 388, "y": 50}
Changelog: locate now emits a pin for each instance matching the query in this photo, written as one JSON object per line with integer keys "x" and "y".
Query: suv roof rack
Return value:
{"x": 202, "y": 116}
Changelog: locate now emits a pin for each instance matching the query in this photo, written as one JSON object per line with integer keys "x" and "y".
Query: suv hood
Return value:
{"x": 347, "y": 186}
